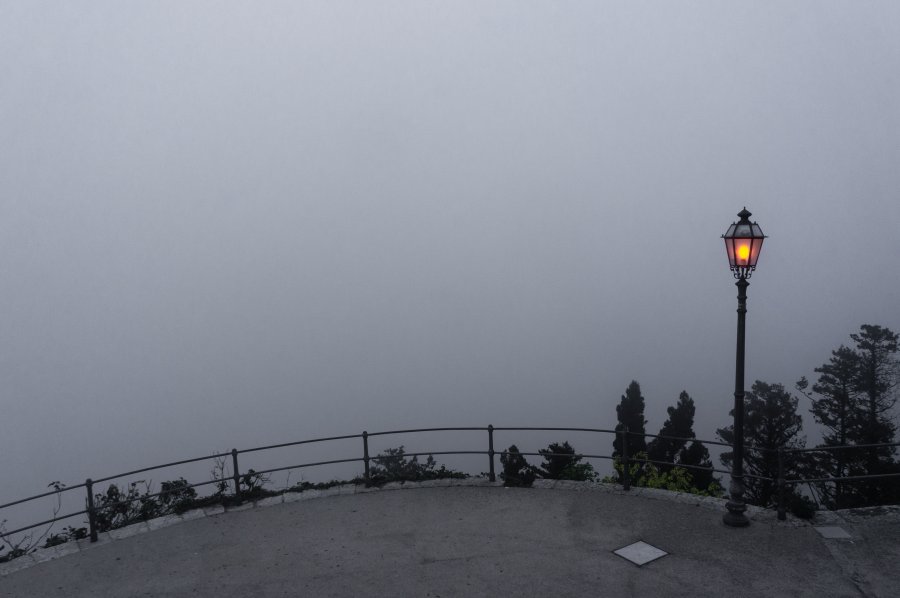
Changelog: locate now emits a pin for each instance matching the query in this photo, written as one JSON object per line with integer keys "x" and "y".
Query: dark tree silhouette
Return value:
{"x": 836, "y": 406}
{"x": 630, "y": 412}
{"x": 516, "y": 470}
{"x": 876, "y": 348}
{"x": 771, "y": 422}
{"x": 555, "y": 464}
{"x": 680, "y": 424}
{"x": 697, "y": 455}
{"x": 560, "y": 463}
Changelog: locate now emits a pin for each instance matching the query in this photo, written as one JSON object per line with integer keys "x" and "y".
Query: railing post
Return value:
{"x": 92, "y": 519}
{"x": 237, "y": 476}
{"x": 365, "y": 437}
{"x": 493, "y": 478}
{"x": 626, "y": 462}
{"x": 781, "y": 506}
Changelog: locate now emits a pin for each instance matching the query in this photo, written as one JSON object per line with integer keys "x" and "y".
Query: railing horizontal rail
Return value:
{"x": 302, "y": 465}
{"x": 681, "y": 465}
{"x": 33, "y": 525}
{"x": 842, "y": 447}
{"x": 555, "y": 429}
{"x": 154, "y": 467}
{"x": 285, "y": 444}
{"x": 849, "y": 478}
{"x": 415, "y": 430}
{"x": 427, "y": 453}
{"x": 692, "y": 439}
{"x": 524, "y": 454}
{"x": 42, "y": 495}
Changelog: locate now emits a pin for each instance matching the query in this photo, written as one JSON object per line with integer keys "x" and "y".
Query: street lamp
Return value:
{"x": 743, "y": 240}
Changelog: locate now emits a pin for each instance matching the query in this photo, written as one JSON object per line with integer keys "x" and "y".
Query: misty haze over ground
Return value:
{"x": 230, "y": 224}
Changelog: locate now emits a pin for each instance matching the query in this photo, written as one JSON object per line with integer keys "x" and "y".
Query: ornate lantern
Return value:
{"x": 743, "y": 241}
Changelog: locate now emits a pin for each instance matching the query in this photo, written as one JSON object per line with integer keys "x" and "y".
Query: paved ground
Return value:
{"x": 479, "y": 540}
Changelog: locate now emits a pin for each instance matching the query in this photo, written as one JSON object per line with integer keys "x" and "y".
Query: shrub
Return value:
{"x": 516, "y": 470}
{"x": 252, "y": 485}
{"x": 114, "y": 508}
{"x": 394, "y": 466}
{"x": 561, "y": 464}
{"x": 177, "y": 496}
{"x": 647, "y": 475}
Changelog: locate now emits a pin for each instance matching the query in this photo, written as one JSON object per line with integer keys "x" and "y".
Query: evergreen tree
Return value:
{"x": 557, "y": 458}
{"x": 836, "y": 406}
{"x": 876, "y": 348}
{"x": 630, "y": 412}
{"x": 680, "y": 424}
{"x": 771, "y": 422}
{"x": 560, "y": 463}
{"x": 697, "y": 455}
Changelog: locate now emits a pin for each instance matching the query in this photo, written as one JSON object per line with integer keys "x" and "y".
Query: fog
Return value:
{"x": 229, "y": 224}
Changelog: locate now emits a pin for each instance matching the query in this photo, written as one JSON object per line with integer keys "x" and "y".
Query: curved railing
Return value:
{"x": 234, "y": 478}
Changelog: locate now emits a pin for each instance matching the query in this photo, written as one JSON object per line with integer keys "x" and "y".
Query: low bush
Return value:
{"x": 516, "y": 470}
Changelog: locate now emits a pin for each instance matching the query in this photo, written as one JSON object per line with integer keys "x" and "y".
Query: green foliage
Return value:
{"x": 679, "y": 430}
{"x": 115, "y": 508}
{"x": 561, "y": 464}
{"x": 648, "y": 475}
{"x": 516, "y": 470}
{"x": 579, "y": 472}
{"x": 394, "y": 466}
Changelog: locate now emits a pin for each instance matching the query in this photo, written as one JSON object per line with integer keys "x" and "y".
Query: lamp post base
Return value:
{"x": 734, "y": 516}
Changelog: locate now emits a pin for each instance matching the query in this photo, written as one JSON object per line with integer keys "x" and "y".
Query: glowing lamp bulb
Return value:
{"x": 743, "y": 252}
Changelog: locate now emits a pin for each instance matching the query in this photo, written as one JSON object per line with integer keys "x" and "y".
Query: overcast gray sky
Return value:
{"x": 234, "y": 223}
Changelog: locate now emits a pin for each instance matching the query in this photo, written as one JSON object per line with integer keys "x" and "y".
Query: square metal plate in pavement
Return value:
{"x": 640, "y": 553}
{"x": 832, "y": 532}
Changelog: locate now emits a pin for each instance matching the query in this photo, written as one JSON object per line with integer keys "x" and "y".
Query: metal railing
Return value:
{"x": 91, "y": 509}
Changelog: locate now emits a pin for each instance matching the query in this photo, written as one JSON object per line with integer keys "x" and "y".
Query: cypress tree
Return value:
{"x": 630, "y": 412}
{"x": 680, "y": 424}
{"x": 696, "y": 454}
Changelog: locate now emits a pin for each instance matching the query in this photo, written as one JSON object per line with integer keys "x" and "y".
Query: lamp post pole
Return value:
{"x": 743, "y": 242}
{"x": 734, "y": 516}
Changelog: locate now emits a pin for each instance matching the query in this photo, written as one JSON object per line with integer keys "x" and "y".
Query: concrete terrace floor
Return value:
{"x": 473, "y": 538}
